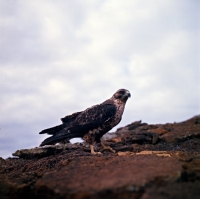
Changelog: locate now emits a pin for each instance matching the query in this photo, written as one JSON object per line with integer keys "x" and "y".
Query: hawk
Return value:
{"x": 90, "y": 124}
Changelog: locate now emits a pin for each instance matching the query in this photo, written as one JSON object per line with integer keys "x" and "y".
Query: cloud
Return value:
{"x": 59, "y": 57}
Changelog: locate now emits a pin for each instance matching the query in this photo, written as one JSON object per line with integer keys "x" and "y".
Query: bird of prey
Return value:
{"x": 90, "y": 124}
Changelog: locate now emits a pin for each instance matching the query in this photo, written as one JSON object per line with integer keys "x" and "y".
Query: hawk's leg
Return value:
{"x": 107, "y": 147}
{"x": 92, "y": 150}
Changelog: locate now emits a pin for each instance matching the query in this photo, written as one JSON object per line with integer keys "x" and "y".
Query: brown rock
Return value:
{"x": 151, "y": 161}
{"x": 117, "y": 174}
{"x": 160, "y": 131}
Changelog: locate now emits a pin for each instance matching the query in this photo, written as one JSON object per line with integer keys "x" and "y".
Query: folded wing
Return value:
{"x": 78, "y": 124}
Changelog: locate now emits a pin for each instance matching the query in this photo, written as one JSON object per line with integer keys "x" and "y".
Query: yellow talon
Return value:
{"x": 93, "y": 152}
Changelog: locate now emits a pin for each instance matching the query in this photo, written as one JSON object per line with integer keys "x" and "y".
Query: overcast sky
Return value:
{"x": 59, "y": 57}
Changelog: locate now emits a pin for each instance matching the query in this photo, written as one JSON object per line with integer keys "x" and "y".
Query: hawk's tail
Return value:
{"x": 52, "y": 130}
{"x": 59, "y": 136}
{"x": 54, "y": 139}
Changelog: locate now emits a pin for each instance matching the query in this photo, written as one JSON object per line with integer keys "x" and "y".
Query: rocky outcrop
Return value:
{"x": 151, "y": 161}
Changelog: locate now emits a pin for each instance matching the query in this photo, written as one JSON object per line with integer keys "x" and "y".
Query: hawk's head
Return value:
{"x": 122, "y": 95}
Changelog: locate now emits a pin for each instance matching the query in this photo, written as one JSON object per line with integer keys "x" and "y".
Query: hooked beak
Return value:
{"x": 128, "y": 94}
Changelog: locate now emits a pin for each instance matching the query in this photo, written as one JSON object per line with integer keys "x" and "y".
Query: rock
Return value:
{"x": 125, "y": 153}
{"x": 159, "y": 131}
{"x": 158, "y": 153}
{"x": 46, "y": 150}
{"x": 130, "y": 171}
{"x": 151, "y": 161}
{"x": 166, "y": 136}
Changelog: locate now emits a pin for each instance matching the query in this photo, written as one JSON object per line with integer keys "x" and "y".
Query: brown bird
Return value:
{"x": 90, "y": 124}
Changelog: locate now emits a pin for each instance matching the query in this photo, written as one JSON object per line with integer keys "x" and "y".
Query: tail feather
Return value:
{"x": 56, "y": 138}
{"x": 52, "y": 130}
{"x": 51, "y": 140}
{"x": 60, "y": 136}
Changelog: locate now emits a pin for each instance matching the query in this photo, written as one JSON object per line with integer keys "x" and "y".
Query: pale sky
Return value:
{"x": 60, "y": 57}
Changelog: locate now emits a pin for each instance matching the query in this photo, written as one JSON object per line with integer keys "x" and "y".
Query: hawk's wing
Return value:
{"x": 67, "y": 119}
{"x": 92, "y": 118}
{"x": 85, "y": 121}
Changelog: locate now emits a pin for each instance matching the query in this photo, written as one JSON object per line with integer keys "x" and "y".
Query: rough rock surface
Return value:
{"x": 151, "y": 161}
